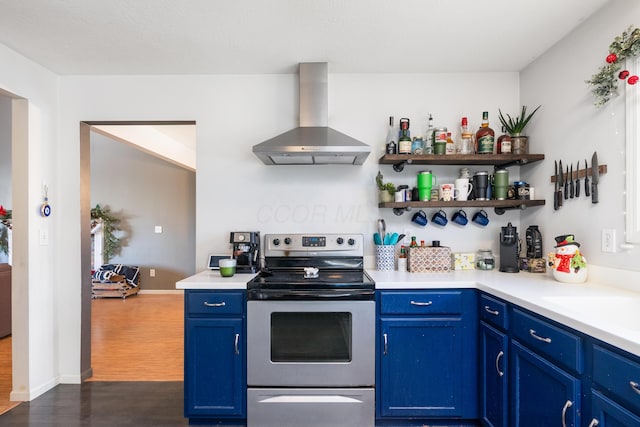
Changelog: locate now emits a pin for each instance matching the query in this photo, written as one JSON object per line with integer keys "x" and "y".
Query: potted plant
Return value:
{"x": 515, "y": 128}
{"x": 387, "y": 191}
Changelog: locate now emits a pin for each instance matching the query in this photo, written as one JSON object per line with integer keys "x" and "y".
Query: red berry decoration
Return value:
{"x": 632, "y": 80}
{"x": 611, "y": 58}
{"x": 623, "y": 74}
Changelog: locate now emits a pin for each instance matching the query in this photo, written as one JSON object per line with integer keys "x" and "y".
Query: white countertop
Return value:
{"x": 608, "y": 313}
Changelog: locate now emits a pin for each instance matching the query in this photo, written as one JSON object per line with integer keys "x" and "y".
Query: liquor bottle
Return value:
{"x": 503, "y": 145}
{"x": 404, "y": 125}
{"x": 404, "y": 142}
{"x": 392, "y": 147}
{"x": 429, "y": 136}
{"x": 485, "y": 136}
{"x": 450, "y": 148}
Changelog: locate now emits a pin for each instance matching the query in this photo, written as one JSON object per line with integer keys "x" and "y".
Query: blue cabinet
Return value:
{"x": 494, "y": 386}
{"x": 607, "y": 413}
{"x": 215, "y": 357}
{"x": 542, "y": 394}
{"x": 427, "y": 353}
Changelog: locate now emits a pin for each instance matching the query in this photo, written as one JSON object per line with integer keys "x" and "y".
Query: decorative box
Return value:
{"x": 537, "y": 265}
{"x": 429, "y": 259}
{"x": 464, "y": 261}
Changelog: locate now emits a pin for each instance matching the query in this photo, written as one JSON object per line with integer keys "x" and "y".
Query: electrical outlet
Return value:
{"x": 608, "y": 240}
{"x": 152, "y": 272}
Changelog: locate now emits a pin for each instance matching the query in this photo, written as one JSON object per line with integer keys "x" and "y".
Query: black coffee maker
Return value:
{"x": 246, "y": 250}
{"x": 509, "y": 249}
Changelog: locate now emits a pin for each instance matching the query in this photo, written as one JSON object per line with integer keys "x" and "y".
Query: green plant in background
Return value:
{"x": 515, "y": 125}
{"x": 391, "y": 188}
{"x": 110, "y": 224}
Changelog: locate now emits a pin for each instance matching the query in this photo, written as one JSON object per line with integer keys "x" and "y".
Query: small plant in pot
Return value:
{"x": 387, "y": 190}
{"x": 515, "y": 128}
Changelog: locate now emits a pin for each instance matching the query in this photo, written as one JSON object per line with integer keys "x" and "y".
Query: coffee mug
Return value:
{"x": 481, "y": 218}
{"x": 460, "y": 217}
{"x": 447, "y": 192}
{"x": 464, "y": 188}
{"x": 420, "y": 218}
{"x": 440, "y": 218}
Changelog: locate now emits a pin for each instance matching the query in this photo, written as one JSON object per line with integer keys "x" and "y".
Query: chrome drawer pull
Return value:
{"x": 488, "y": 310}
{"x": 635, "y": 386}
{"x": 593, "y": 423}
{"x": 386, "y": 344}
{"x": 421, "y": 303}
{"x": 567, "y": 405}
{"x": 538, "y": 337}
{"x": 215, "y": 304}
{"x": 500, "y": 373}
{"x": 236, "y": 344}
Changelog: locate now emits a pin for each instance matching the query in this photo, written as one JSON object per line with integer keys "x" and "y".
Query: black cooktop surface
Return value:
{"x": 299, "y": 279}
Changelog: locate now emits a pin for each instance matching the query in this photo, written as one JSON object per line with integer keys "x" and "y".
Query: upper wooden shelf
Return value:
{"x": 399, "y": 160}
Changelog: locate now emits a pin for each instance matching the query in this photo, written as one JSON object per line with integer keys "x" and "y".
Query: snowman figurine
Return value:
{"x": 567, "y": 262}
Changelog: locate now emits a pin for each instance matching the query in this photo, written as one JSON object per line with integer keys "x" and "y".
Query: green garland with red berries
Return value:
{"x": 605, "y": 81}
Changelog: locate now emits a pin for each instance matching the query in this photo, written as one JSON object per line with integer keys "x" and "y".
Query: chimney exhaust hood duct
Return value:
{"x": 313, "y": 142}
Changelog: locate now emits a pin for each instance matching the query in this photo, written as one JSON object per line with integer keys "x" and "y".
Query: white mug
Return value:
{"x": 464, "y": 188}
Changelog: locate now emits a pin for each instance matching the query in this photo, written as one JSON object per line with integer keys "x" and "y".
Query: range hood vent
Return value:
{"x": 313, "y": 143}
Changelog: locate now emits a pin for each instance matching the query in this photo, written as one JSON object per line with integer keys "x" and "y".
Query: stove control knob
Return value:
{"x": 340, "y": 240}
{"x": 351, "y": 242}
{"x": 287, "y": 240}
{"x": 276, "y": 242}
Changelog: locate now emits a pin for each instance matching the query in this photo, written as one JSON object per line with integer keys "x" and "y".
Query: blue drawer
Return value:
{"x": 214, "y": 303}
{"x": 421, "y": 302}
{"x": 493, "y": 311}
{"x": 617, "y": 376}
{"x": 562, "y": 346}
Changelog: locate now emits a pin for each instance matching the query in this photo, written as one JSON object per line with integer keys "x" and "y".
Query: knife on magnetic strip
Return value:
{"x": 595, "y": 177}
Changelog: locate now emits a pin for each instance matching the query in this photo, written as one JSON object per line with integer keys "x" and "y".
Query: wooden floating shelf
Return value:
{"x": 500, "y": 204}
{"x": 582, "y": 173}
{"x": 460, "y": 159}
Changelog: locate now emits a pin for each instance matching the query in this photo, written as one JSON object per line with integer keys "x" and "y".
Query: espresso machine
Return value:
{"x": 509, "y": 249}
{"x": 246, "y": 250}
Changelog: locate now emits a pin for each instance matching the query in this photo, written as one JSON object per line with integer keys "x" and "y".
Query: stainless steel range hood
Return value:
{"x": 313, "y": 143}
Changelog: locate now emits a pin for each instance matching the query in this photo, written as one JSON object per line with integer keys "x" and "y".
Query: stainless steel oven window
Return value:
{"x": 308, "y": 337}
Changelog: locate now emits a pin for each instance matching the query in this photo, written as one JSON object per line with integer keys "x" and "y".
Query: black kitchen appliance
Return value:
{"x": 246, "y": 250}
{"x": 311, "y": 334}
{"x": 509, "y": 249}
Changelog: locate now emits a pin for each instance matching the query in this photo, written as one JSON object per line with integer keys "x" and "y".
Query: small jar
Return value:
{"x": 485, "y": 260}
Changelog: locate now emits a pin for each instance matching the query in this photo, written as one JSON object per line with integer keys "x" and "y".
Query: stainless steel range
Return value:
{"x": 310, "y": 334}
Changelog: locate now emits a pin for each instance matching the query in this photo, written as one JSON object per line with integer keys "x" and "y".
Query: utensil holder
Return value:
{"x": 385, "y": 257}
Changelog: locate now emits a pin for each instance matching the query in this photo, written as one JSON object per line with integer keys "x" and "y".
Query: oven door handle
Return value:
{"x": 305, "y": 398}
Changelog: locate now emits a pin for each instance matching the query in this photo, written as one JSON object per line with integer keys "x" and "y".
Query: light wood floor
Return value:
{"x": 136, "y": 339}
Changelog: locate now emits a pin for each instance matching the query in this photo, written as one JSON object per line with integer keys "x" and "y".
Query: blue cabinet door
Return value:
{"x": 542, "y": 394}
{"x": 609, "y": 414}
{"x": 421, "y": 367}
{"x": 494, "y": 376}
{"x": 215, "y": 384}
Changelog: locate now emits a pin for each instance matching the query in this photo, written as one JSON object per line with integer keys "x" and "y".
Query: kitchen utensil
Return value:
{"x": 382, "y": 228}
{"x": 394, "y": 239}
{"x": 572, "y": 188}
{"x": 377, "y": 239}
{"x": 595, "y": 177}
{"x": 561, "y": 176}
{"x": 566, "y": 183}
{"x": 587, "y": 187}
{"x": 578, "y": 178}
{"x": 557, "y": 197}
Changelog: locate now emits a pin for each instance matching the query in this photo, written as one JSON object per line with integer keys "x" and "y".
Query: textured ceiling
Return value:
{"x": 273, "y": 36}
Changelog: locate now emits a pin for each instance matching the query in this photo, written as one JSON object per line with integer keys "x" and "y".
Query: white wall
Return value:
{"x": 570, "y": 128}
{"x": 5, "y": 158}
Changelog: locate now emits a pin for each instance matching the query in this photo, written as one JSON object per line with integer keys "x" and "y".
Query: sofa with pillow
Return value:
{"x": 115, "y": 280}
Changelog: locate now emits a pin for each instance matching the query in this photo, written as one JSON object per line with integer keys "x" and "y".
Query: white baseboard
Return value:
{"x": 26, "y": 396}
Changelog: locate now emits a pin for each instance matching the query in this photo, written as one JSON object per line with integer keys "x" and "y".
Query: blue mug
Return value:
{"x": 480, "y": 218}
{"x": 440, "y": 218}
{"x": 420, "y": 218}
{"x": 460, "y": 217}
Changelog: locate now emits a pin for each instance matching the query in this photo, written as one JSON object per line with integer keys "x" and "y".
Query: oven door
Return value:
{"x": 311, "y": 343}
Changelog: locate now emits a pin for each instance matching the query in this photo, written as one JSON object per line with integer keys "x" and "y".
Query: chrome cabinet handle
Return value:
{"x": 498, "y": 357}
{"x": 215, "y": 304}
{"x": 235, "y": 345}
{"x": 488, "y": 310}
{"x": 593, "y": 423}
{"x": 566, "y": 406}
{"x": 635, "y": 386}
{"x": 538, "y": 337}
{"x": 421, "y": 303}
{"x": 386, "y": 344}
